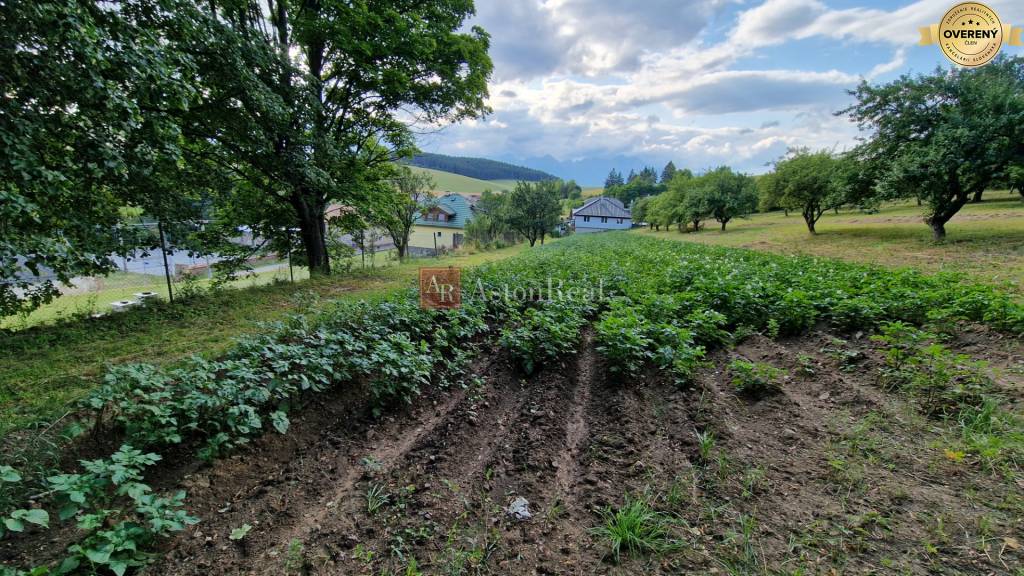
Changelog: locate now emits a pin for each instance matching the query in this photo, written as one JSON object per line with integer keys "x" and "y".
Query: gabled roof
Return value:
{"x": 602, "y": 207}
{"x": 456, "y": 206}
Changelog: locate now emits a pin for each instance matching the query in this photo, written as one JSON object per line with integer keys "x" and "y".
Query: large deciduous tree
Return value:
{"x": 91, "y": 97}
{"x": 943, "y": 137}
{"x": 306, "y": 97}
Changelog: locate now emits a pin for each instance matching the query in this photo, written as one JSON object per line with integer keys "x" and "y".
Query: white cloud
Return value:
{"x": 583, "y": 79}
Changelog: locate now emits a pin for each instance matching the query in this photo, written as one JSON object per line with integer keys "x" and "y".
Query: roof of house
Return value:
{"x": 602, "y": 207}
{"x": 458, "y": 209}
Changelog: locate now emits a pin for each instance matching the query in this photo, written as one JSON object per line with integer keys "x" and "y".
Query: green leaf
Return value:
{"x": 33, "y": 516}
{"x": 240, "y": 532}
{"x": 280, "y": 421}
{"x": 68, "y": 565}
{"x": 101, "y": 556}
{"x": 9, "y": 474}
{"x": 14, "y": 525}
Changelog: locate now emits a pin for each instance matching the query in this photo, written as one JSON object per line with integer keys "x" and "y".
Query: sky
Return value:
{"x": 583, "y": 86}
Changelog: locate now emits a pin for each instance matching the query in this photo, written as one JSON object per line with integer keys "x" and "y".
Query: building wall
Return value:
{"x": 595, "y": 224}
{"x": 422, "y": 236}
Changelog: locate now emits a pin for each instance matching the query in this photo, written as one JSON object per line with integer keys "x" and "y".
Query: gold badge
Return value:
{"x": 970, "y": 34}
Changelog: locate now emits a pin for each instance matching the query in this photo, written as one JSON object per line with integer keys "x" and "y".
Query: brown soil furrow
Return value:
{"x": 276, "y": 492}
{"x": 445, "y": 469}
{"x": 387, "y": 451}
{"x": 567, "y": 468}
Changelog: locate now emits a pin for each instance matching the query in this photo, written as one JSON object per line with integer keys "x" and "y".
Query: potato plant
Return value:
{"x": 654, "y": 304}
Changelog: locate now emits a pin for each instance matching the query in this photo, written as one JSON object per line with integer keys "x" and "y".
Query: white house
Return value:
{"x": 601, "y": 213}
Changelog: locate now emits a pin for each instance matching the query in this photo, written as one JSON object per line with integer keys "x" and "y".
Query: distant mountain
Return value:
{"x": 479, "y": 168}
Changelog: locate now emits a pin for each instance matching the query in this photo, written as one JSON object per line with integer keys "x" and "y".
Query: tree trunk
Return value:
{"x": 810, "y": 220}
{"x": 724, "y": 222}
{"x": 937, "y": 220}
{"x": 696, "y": 225}
{"x": 313, "y": 231}
{"x": 811, "y": 214}
{"x": 977, "y": 196}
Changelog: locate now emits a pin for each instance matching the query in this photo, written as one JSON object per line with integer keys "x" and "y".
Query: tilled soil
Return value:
{"x": 831, "y": 475}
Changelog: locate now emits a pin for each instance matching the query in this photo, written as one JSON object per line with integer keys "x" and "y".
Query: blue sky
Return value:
{"x": 581, "y": 86}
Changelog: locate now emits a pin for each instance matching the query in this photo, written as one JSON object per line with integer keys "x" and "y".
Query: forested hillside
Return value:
{"x": 480, "y": 168}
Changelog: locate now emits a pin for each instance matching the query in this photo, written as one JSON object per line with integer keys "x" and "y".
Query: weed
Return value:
{"x": 635, "y": 529}
{"x": 240, "y": 533}
{"x": 705, "y": 445}
{"x": 376, "y": 497}
{"x": 752, "y": 478}
{"x": 295, "y": 557}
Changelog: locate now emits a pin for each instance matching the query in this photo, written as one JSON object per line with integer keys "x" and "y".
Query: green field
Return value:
{"x": 448, "y": 182}
{"x": 986, "y": 240}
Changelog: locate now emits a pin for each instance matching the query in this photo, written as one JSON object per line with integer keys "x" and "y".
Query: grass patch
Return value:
{"x": 635, "y": 529}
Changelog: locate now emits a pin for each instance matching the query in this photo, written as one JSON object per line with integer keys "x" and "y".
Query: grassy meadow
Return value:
{"x": 985, "y": 241}
{"x": 449, "y": 182}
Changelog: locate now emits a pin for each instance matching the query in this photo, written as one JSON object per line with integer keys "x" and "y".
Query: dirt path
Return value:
{"x": 832, "y": 474}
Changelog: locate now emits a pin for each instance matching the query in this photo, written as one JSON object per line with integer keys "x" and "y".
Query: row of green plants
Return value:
{"x": 390, "y": 347}
{"x": 665, "y": 304}
{"x": 653, "y": 304}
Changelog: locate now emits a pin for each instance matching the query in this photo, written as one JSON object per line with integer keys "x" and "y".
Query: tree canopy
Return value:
{"x": 533, "y": 209}
{"x": 943, "y": 137}
{"x": 261, "y": 114}
{"x": 811, "y": 182}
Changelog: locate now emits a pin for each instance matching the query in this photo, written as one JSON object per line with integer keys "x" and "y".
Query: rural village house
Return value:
{"x": 601, "y": 213}
{"x": 442, "y": 226}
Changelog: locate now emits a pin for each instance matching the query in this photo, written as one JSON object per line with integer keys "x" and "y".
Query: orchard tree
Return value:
{"x": 640, "y": 210}
{"x": 943, "y": 137}
{"x": 311, "y": 99}
{"x": 533, "y": 209}
{"x": 810, "y": 182}
{"x": 489, "y": 225}
{"x": 727, "y": 194}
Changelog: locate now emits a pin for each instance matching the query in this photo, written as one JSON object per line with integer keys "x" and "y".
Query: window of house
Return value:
{"x": 604, "y": 219}
{"x": 586, "y": 218}
{"x": 620, "y": 220}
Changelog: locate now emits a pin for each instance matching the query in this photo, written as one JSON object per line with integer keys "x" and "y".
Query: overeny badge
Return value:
{"x": 970, "y": 34}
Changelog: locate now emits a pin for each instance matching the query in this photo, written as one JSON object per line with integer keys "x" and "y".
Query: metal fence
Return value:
{"x": 163, "y": 273}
